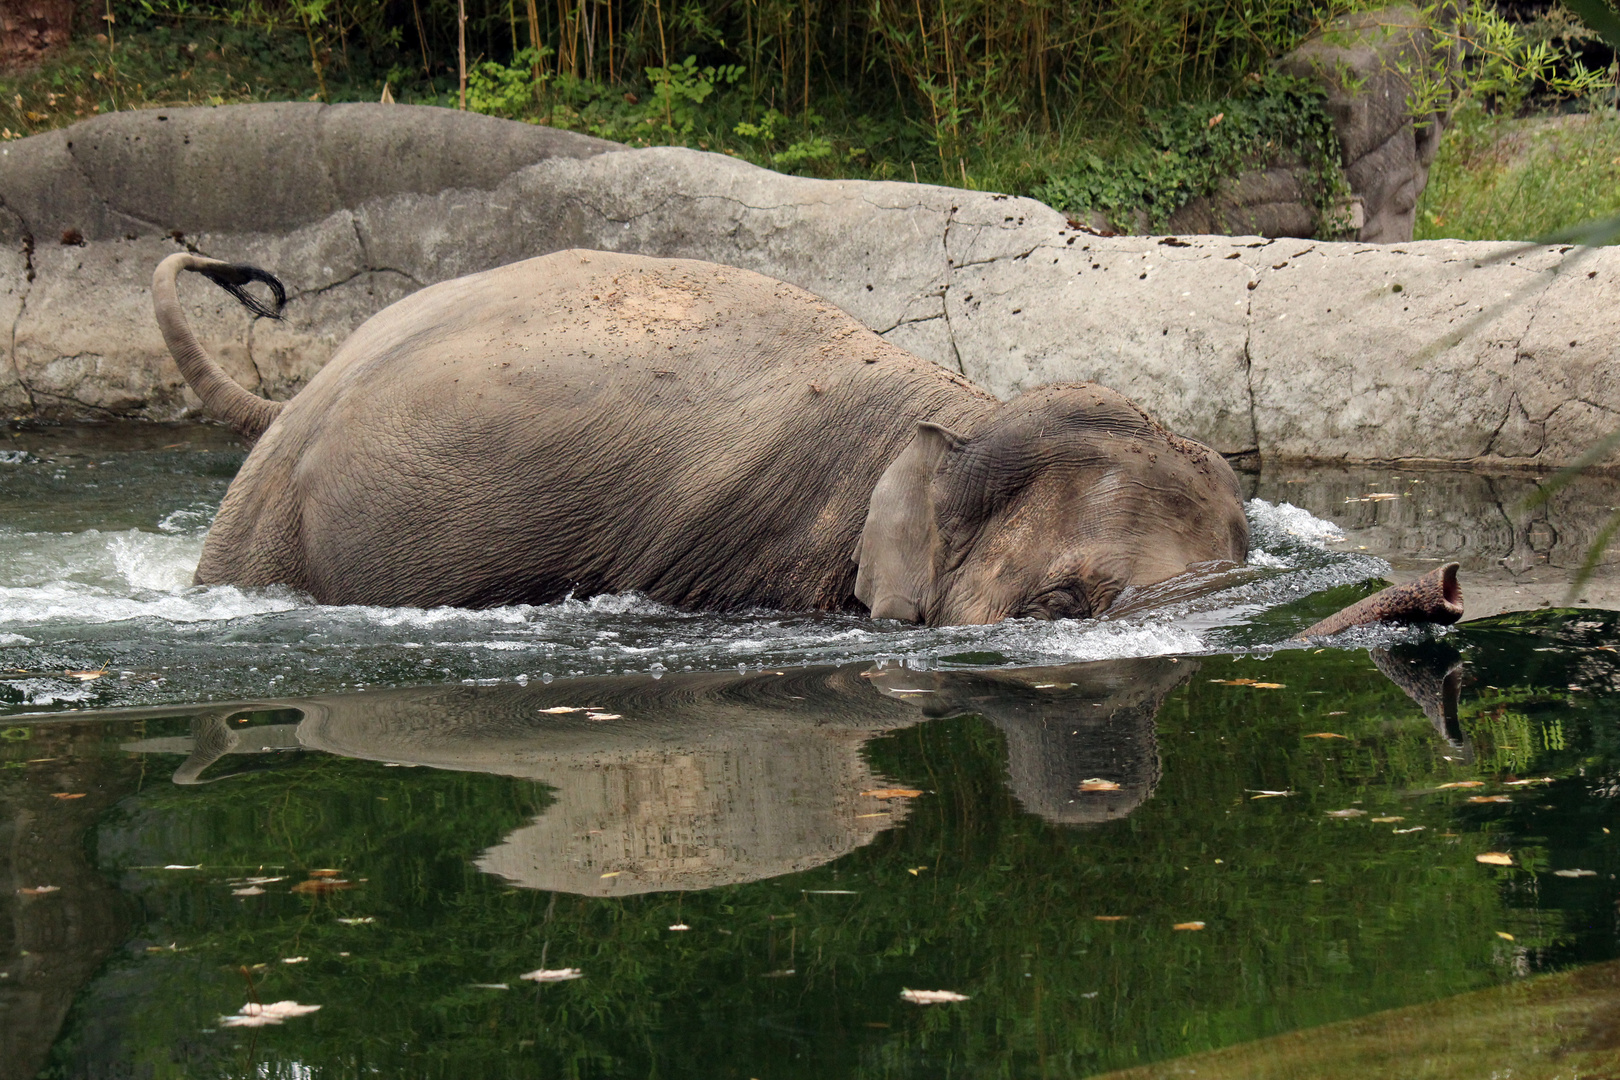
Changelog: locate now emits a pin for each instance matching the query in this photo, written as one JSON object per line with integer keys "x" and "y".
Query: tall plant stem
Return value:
{"x": 461, "y": 50}
{"x": 421, "y": 37}
{"x": 314, "y": 56}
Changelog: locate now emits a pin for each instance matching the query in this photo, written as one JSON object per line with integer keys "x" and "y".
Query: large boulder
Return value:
{"x": 1369, "y": 63}
{"x": 1440, "y": 351}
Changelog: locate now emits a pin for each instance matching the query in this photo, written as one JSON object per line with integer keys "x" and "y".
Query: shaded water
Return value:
{"x": 1080, "y": 791}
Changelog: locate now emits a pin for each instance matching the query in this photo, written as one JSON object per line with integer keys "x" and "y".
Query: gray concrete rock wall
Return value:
{"x": 1292, "y": 348}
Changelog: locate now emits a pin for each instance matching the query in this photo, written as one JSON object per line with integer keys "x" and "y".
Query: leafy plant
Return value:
{"x": 1192, "y": 146}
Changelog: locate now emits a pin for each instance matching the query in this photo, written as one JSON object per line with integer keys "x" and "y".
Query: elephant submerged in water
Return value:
{"x": 590, "y": 422}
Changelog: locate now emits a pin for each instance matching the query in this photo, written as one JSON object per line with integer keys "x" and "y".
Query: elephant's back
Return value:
{"x": 582, "y": 318}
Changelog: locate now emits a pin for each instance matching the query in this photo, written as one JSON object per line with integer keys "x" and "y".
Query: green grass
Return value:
{"x": 1499, "y": 178}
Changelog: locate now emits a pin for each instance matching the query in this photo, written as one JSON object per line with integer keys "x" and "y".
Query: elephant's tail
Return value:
{"x": 222, "y": 396}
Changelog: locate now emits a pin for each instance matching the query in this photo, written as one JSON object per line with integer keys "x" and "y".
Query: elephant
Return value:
{"x": 592, "y": 422}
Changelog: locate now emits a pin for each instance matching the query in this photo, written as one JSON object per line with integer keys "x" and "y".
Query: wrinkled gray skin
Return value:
{"x": 589, "y": 422}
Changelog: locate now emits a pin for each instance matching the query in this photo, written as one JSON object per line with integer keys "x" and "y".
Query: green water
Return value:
{"x": 735, "y": 801}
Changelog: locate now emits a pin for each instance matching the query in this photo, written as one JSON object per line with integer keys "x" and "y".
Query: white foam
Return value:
{"x": 1073, "y": 639}
{"x": 1268, "y": 520}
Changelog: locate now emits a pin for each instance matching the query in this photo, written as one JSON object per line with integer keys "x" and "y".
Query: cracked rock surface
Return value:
{"x": 1292, "y": 348}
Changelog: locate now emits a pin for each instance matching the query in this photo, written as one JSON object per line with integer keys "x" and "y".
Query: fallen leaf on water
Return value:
{"x": 250, "y": 890}
{"x": 323, "y": 873}
{"x": 1351, "y": 812}
{"x": 1575, "y": 873}
{"x": 1326, "y": 735}
{"x": 263, "y": 880}
{"x": 255, "y": 1015}
{"x": 1338, "y": 712}
{"x": 932, "y": 997}
{"x": 1233, "y": 682}
{"x": 67, "y": 794}
{"x": 1504, "y": 935}
{"x": 1110, "y": 918}
{"x": 892, "y": 793}
{"x": 1261, "y": 793}
{"x": 613, "y": 873}
{"x": 321, "y": 885}
{"x": 557, "y": 709}
{"x": 880, "y": 813}
{"x": 1188, "y": 926}
{"x": 1494, "y": 858}
{"x": 1268, "y": 685}
{"x": 1461, "y": 783}
{"x": 915, "y": 870}
{"x": 1533, "y": 780}
{"x": 293, "y": 959}
{"x": 86, "y": 676}
{"x": 489, "y": 986}
{"x": 1098, "y": 784}
{"x": 183, "y": 866}
{"x": 1415, "y": 828}
{"x": 361, "y": 921}
{"x": 544, "y": 975}
{"x": 1386, "y": 820}
{"x": 603, "y": 716}
{"x": 1489, "y": 798}
{"x": 680, "y": 926}
{"x": 39, "y": 890}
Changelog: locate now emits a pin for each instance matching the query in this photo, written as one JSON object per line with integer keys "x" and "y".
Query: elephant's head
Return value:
{"x": 1051, "y": 506}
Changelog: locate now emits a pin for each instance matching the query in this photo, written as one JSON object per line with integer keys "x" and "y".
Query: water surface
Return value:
{"x": 219, "y": 796}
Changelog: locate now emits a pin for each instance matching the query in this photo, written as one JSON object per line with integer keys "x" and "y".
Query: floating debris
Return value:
{"x": 1504, "y": 935}
{"x": 932, "y": 997}
{"x": 680, "y": 926}
{"x": 489, "y": 986}
{"x": 294, "y": 959}
{"x": 1350, "y": 812}
{"x": 1098, "y": 784}
{"x": 1461, "y": 784}
{"x": 1575, "y": 873}
{"x": 1494, "y": 858}
{"x": 1327, "y": 735}
{"x": 248, "y": 890}
{"x": 558, "y": 710}
{"x": 39, "y": 890}
{"x": 1386, "y": 820}
{"x": 255, "y": 1015}
{"x": 892, "y": 793}
{"x": 1490, "y": 798}
{"x": 1188, "y": 926}
{"x": 359, "y": 921}
{"x": 1110, "y": 918}
{"x": 1262, "y": 793}
{"x": 322, "y": 885}
{"x": 1415, "y": 828}
{"x": 551, "y": 975}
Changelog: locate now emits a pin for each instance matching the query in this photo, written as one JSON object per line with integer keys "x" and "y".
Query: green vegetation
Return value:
{"x": 1502, "y": 178}
{"x": 1309, "y": 919}
{"x": 1090, "y": 105}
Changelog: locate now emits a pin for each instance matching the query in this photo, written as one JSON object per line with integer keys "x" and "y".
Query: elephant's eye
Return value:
{"x": 1058, "y": 602}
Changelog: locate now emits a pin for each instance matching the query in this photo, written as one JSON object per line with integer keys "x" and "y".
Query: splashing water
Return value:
{"x": 83, "y": 599}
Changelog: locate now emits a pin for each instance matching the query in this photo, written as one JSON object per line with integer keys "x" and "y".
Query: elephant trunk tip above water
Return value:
{"x": 590, "y": 422}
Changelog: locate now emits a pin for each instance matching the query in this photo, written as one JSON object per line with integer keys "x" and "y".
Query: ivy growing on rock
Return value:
{"x": 1190, "y": 148}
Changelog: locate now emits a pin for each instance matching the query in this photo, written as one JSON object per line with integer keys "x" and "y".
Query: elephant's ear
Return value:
{"x": 901, "y": 537}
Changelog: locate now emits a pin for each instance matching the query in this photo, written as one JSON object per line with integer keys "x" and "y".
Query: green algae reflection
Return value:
{"x": 737, "y": 811}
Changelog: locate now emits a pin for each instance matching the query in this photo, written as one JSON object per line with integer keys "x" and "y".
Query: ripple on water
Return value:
{"x": 124, "y": 599}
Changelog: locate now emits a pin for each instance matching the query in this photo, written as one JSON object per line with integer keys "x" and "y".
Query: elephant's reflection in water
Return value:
{"x": 707, "y": 779}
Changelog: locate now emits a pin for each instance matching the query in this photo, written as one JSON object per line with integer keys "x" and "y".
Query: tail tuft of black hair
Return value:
{"x": 234, "y": 279}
